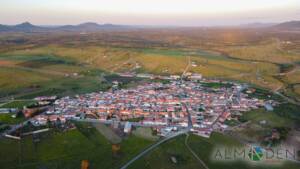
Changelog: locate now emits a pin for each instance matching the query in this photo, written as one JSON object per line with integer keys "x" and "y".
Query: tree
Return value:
{"x": 49, "y": 124}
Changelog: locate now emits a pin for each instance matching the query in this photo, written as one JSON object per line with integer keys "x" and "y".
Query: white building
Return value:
{"x": 127, "y": 128}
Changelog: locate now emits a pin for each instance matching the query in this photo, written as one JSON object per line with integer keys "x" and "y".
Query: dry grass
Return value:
{"x": 297, "y": 89}
{"x": 269, "y": 51}
{"x": 122, "y": 59}
{"x": 11, "y": 78}
{"x": 6, "y": 63}
{"x": 293, "y": 77}
{"x": 162, "y": 64}
{"x": 63, "y": 68}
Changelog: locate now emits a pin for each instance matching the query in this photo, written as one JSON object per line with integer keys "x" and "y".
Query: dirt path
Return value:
{"x": 187, "y": 67}
{"x": 149, "y": 149}
{"x": 194, "y": 154}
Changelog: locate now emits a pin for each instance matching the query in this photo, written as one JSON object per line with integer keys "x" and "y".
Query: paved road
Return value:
{"x": 190, "y": 123}
{"x": 173, "y": 135}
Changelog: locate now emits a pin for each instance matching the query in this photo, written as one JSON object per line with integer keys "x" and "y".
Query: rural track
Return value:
{"x": 121, "y": 64}
{"x": 169, "y": 137}
{"x": 194, "y": 154}
{"x": 287, "y": 98}
{"x": 187, "y": 67}
{"x": 153, "y": 147}
{"x": 295, "y": 69}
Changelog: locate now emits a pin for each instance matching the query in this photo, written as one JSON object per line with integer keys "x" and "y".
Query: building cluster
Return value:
{"x": 165, "y": 107}
{"x": 187, "y": 76}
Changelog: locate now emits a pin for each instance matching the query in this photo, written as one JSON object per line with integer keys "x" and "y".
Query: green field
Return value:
{"x": 53, "y": 85}
{"x": 160, "y": 157}
{"x": 217, "y": 85}
{"x": 66, "y": 150}
{"x": 260, "y": 122}
{"x": 27, "y": 76}
{"x": 18, "y": 104}
{"x": 272, "y": 118}
{"x": 284, "y": 115}
{"x": 289, "y": 111}
{"x": 7, "y": 119}
{"x": 146, "y": 133}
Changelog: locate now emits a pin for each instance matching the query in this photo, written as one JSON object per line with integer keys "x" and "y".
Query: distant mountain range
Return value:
{"x": 92, "y": 27}
{"x": 88, "y": 27}
{"x": 291, "y": 25}
{"x": 258, "y": 25}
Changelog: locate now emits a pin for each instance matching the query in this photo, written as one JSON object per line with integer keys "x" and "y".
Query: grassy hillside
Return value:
{"x": 270, "y": 51}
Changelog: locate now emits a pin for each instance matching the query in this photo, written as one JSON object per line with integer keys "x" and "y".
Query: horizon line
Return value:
{"x": 150, "y": 25}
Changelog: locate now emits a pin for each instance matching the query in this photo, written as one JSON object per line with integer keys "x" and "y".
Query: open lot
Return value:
{"x": 145, "y": 133}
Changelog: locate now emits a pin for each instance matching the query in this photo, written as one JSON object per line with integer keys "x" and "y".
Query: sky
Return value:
{"x": 149, "y": 12}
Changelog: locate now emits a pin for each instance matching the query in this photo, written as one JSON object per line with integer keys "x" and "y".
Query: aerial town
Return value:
{"x": 168, "y": 107}
{"x": 150, "y": 84}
